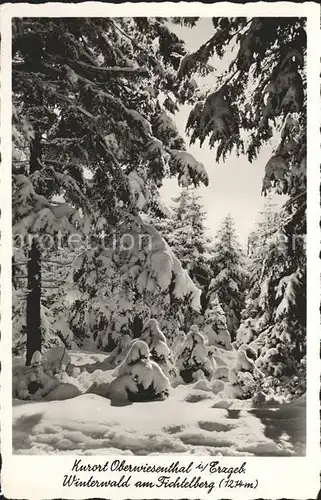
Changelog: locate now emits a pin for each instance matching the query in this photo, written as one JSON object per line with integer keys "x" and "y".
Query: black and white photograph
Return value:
{"x": 159, "y": 230}
{"x": 158, "y": 262}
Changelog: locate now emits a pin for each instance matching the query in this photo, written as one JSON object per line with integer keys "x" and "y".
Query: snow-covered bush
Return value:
{"x": 278, "y": 390}
{"x": 241, "y": 384}
{"x": 122, "y": 348}
{"x": 152, "y": 334}
{"x": 38, "y": 381}
{"x": 231, "y": 391}
{"x": 218, "y": 355}
{"x": 247, "y": 384}
{"x": 56, "y": 358}
{"x": 161, "y": 354}
{"x": 246, "y": 332}
{"x": 221, "y": 373}
{"x": 215, "y": 328}
{"x": 178, "y": 343}
{"x": 276, "y": 361}
{"x": 194, "y": 356}
{"x": 159, "y": 350}
{"x": 217, "y": 386}
{"x": 241, "y": 379}
{"x": 243, "y": 362}
{"x": 139, "y": 378}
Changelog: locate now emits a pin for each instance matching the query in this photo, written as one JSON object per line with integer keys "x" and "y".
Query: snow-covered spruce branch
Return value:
{"x": 52, "y": 204}
{"x": 129, "y": 113}
{"x": 212, "y": 40}
{"x": 135, "y": 44}
{"x": 145, "y": 125}
{"x": 291, "y": 201}
{"x": 227, "y": 81}
{"x": 114, "y": 161}
{"x": 32, "y": 67}
{"x": 74, "y": 185}
{"x": 57, "y": 162}
{"x": 109, "y": 70}
{"x": 70, "y": 102}
{"x": 63, "y": 264}
{"x": 230, "y": 38}
{"x": 28, "y": 67}
{"x": 295, "y": 217}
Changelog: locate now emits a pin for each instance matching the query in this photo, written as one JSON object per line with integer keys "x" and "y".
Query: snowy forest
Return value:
{"x": 135, "y": 328}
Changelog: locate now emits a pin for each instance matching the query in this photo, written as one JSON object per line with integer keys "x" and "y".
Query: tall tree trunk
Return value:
{"x": 13, "y": 275}
{"x": 137, "y": 327}
{"x": 34, "y": 269}
{"x": 35, "y": 153}
{"x": 33, "y": 302}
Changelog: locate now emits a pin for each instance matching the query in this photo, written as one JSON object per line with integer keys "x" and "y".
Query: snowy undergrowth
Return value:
{"x": 192, "y": 420}
{"x": 91, "y": 368}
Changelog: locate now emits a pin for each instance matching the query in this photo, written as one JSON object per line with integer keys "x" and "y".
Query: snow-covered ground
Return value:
{"x": 190, "y": 421}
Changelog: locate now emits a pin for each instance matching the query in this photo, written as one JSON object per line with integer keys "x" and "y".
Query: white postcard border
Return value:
{"x": 39, "y": 477}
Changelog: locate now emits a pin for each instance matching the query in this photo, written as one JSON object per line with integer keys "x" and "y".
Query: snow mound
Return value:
{"x": 89, "y": 424}
{"x": 199, "y": 418}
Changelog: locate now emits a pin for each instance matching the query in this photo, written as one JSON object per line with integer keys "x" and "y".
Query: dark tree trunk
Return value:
{"x": 35, "y": 153}
{"x": 137, "y": 327}
{"x": 13, "y": 266}
{"x": 204, "y": 300}
{"x": 33, "y": 302}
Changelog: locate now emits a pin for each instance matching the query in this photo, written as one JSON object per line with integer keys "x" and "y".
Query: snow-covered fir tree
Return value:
{"x": 55, "y": 288}
{"x": 186, "y": 235}
{"x": 89, "y": 129}
{"x": 254, "y": 316}
{"x": 146, "y": 280}
{"x": 265, "y": 88}
{"x": 230, "y": 275}
{"x": 269, "y": 323}
{"x": 259, "y": 238}
{"x": 194, "y": 358}
{"x": 282, "y": 342}
{"x": 139, "y": 378}
{"x": 215, "y": 326}
{"x": 159, "y": 350}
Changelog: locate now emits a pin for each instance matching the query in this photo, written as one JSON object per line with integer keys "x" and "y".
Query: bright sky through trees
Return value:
{"x": 235, "y": 186}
